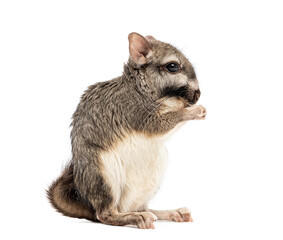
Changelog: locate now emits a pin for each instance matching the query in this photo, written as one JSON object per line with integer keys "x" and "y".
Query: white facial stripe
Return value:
{"x": 181, "y": 79}
{"x": 170, "y": 58}
{"x": 178, "y": 80}
{"x": 193, "y": 84}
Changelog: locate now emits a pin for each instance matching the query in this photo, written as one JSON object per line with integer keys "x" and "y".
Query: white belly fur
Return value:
{"x": 134, "y": 170}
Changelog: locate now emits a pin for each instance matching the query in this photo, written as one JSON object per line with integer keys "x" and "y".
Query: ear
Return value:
{"x": 140, "y": 48}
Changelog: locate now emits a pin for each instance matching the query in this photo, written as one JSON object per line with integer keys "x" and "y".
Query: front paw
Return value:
{"x": 196, "y": 112}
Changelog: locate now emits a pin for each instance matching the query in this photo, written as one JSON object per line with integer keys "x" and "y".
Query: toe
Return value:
{"x": 186, "y": 214}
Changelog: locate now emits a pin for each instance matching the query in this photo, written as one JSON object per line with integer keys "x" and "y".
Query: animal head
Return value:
{"x": 165, "y": 69}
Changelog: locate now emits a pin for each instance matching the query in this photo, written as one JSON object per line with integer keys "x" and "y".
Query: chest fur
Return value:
{"x": 134, "y": 169}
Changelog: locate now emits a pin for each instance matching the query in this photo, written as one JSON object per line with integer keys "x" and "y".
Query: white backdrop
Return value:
{"x": 226, "y": 169}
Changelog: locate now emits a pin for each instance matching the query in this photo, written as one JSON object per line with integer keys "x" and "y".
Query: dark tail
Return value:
{"x": 66, "y": 199}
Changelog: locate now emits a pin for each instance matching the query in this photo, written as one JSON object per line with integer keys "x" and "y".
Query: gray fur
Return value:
{"x": 130, "y": 103}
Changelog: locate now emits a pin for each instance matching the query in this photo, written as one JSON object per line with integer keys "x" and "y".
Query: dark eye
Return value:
{"x": 172, "y": 67}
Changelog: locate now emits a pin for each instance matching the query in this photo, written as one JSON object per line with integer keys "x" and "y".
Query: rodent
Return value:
{"x": 118, "y": 136}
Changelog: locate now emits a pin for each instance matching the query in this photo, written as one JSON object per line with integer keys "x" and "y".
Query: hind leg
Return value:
{"x": 91, "y": 183}
{"x": 177, "y": 215}
{"x": 142, "y": 220}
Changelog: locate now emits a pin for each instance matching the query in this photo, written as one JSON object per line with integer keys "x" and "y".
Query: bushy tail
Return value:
{"x": 66, "y": 199}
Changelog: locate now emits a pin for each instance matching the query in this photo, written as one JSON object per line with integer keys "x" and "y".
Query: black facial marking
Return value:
{"x": 177, "y": 92}
{"x": 184, "y": 92}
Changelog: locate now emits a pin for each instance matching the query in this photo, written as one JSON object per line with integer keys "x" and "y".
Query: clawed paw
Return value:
{"x": 181, "y": 215}
{"x": 146, "y": 220}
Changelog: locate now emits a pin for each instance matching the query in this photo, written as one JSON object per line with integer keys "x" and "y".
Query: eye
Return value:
{"x": 172, "y": 67}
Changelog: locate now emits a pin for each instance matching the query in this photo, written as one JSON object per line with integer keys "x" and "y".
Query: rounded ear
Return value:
{"x": 140, "y": 48}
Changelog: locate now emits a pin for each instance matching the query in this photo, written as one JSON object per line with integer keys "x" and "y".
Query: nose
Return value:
{"x": 196, "y": 96}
